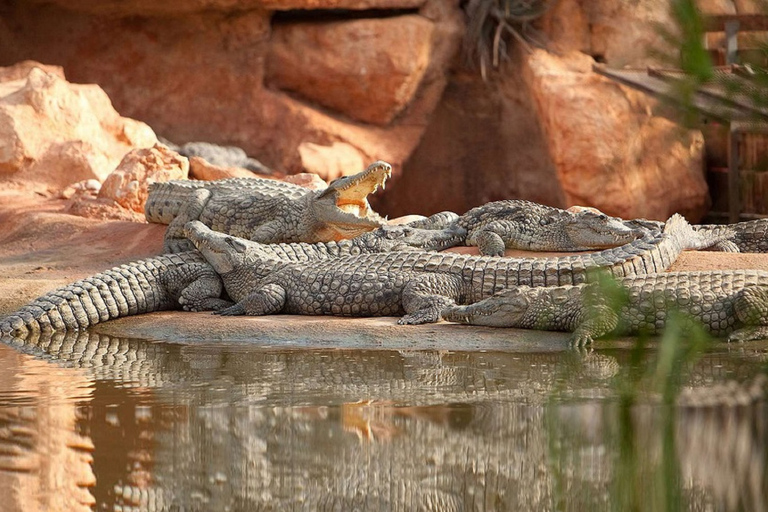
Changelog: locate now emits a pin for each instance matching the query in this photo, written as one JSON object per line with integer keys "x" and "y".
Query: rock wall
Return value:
{"x": 229, "y": 75}
{"x": 323, "y": 85}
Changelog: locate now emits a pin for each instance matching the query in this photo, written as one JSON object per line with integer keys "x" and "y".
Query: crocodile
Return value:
{"x": 745, "y": 236}
{"x": 270, "y": 211}
{"x": 524, "y": 225}
{"x": 726, "y": 302}
{"x": 418, "y": 284}
{"x": 186, "y": 281}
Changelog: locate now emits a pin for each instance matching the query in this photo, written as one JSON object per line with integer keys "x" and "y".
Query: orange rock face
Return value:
{"x": 367, "y": 69}
{"x": 331, "y": 162}
{"x": 609, "y": 150}
{"x": 53, "y": 133}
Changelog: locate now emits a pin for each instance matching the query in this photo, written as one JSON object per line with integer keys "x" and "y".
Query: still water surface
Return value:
{"x": 91, "y": 422}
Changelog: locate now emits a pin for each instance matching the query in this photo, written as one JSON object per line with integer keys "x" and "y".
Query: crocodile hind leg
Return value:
{"x": 197, "y": 286}
{"x": 601, "y": 320}
{"x": 427, "y": 295}
{"x": 490, "y": 243}
{"x": 751, "y": 309}
{"x": 175, "y": 241}
{"x": 266, "y": 300}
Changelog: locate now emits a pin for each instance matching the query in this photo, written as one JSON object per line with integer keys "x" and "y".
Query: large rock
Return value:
{"x": 618, "y": 33}
{"x": 610, "y": 151}
{"x": 331, "y": 162}
{"x": 54, "y": 133}
{"x": 200, "y": 76}
{"x": 483, "y": 143}
{"x": 367, "y": 69}
{"x": 128, "y": 185}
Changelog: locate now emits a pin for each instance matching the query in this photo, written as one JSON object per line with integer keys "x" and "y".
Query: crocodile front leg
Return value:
{"x": 266, "y": 300}
{"x": 426, "y": 296}
{"x": 751, "y": 309}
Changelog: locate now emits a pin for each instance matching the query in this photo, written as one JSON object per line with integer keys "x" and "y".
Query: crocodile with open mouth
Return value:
{"x": 269, "y": 211}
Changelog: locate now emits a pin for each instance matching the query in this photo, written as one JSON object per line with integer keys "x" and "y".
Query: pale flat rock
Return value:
{"x": 307, "y": 180}
{"x": 200, "y": 169}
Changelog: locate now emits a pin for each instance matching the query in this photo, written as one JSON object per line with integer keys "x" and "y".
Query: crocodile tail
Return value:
{"x": 120, "y": 291}
{"x": 686, "y": 237}
{"x": 166, "y": 199}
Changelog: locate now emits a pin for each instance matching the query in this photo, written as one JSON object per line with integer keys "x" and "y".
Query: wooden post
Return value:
{"x": 734, "y": 186}
{"x": 731, "y": 41}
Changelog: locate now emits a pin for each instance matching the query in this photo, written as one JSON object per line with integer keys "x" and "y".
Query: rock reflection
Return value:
{"x": 45, "y": 463}
{"x": 234, "y": 427}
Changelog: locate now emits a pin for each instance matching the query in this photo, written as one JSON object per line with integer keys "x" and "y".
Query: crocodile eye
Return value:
{"x": 235, "y": 244}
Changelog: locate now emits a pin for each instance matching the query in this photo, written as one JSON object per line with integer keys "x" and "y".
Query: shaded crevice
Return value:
{"x": 327, "y": 15}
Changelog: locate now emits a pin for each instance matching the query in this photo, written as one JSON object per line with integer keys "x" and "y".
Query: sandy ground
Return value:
{"x": 41, "y": 248}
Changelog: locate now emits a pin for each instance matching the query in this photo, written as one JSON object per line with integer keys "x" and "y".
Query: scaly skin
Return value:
{"x": 419, "y": 284}
{"x": 747, "y": 236}
{"x": 725, "y": 302}
{"x": 171, "y": 281}
{"x": 269, "y": 211}
{"x": 186, "y": 281}
{"x": 517, "y": 224}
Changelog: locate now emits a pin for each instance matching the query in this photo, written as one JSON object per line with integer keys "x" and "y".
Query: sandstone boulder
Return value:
{"x": 609, "y": 150}
{"x": 128, "y": 185}
{"x": 53, "y": 133}
{"x": 618, "y": 33}
{"x": 330, "y": 162}
{"x": 367, "y": 69}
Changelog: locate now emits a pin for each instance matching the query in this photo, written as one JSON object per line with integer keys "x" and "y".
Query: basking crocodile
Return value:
{"x": 416, "y": 283}
{"x": 270, "y": 211}
{"x": 519, "y": 224}
{"x": 746, "y": 236}
{"x": 186, "y": 281}
{"x": 731, "y": 302}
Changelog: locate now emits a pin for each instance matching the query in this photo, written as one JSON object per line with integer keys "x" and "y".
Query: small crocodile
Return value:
{"x": 270, "y": 211}
{"x": 412, "y": 282}
{"x": 519, "y": 224}
{"x": 186, "y": 281}
{"x": 727, "y": 302}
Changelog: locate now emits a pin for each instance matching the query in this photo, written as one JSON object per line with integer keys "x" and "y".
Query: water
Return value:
{"x": 93, "y": 422}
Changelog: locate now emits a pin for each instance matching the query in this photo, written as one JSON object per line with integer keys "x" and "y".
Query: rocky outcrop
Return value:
{"x": 365, "y": 80}
{"x": 367, "y": 69}
{"x": 196, "y": 71}
{"x": 53, "y": 133}
{"x": 609, "y": 149}
{"x": 618, "y": 33}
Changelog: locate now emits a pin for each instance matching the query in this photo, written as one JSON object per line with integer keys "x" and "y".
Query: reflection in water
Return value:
{"x": 126, "y": 423}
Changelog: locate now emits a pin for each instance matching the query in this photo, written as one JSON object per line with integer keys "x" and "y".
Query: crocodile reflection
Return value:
{"x": 232, "y": 427}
